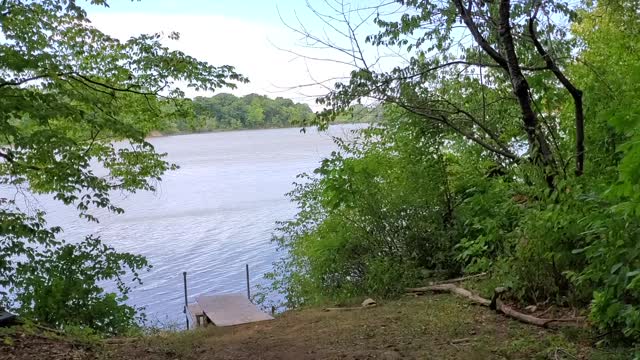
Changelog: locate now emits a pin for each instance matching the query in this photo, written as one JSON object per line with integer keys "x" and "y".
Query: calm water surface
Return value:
{"x": 210, "y": 217}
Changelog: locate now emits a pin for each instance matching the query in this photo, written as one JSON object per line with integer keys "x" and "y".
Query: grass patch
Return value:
{"x": 429, "y": 327}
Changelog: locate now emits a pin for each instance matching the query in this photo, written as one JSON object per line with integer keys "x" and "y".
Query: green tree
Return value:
{"x": 251, "y": 111}
{"x": 491, "y": 79}
{"x": 474, "y": 172}
{"x": 610, "y": 72}
{"x": 255, "y": 117}
{"x": 67, "y": 92}
{"x": 371, "y": 215}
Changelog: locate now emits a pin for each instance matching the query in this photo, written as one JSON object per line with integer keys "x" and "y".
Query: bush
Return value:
{"x": 61, "y": 287}
{"x": 405, "y": 197}
{"x": 613, "y": 269}
{"x": 370, "y": 217}
{"x": 550, "y": 229}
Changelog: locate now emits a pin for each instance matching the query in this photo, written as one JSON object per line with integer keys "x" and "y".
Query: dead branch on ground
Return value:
{"x": 495, "y": 304}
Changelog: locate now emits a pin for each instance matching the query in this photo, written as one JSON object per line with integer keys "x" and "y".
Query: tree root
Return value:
{"x": 495, "y": 304}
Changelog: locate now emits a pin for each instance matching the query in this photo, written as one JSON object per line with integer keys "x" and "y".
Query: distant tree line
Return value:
{"x": 229, "y": 112}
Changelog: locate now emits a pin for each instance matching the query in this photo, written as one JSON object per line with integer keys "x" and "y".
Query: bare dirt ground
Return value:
{"x": 431, "y": 327}
{"x": 16, "y": 344}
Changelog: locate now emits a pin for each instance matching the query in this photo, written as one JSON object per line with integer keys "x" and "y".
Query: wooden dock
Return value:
{"x": 225, "y": 310}
{"x": 197, "y": 316}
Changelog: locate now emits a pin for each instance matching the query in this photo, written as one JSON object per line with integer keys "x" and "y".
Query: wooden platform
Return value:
{"x": 197, "y": 316}
{"x": 227, "y": 310}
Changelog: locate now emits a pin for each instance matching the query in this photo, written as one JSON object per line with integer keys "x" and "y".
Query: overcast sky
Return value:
{"x": 244, "y": 33}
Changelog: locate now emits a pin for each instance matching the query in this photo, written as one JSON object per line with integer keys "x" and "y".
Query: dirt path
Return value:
{"x": 430, "y": 327}
{"x": 434, "y": 327}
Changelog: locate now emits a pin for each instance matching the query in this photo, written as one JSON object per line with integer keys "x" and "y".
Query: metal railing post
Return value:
{"x": 184, "y": 275}
{"x": 248, "y": 286}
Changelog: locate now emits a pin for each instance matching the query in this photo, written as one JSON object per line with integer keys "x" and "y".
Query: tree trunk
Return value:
{"x": 541, "y": 150}
{"x": 576, "y": 94}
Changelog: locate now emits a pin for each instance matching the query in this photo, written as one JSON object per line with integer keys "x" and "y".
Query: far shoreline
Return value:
{"x": 155, "y": 134}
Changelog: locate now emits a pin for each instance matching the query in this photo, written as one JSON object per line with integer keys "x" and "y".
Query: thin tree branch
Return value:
{"x": 475, "y": 32}
{"x": 445, "y": 121}
{"x": 29, "y": 79}
{"x": 110, "y": 87}
{"x": 469, "y": 63}
{"x": 576, "y": 93}
{"x": 10, "y": 159}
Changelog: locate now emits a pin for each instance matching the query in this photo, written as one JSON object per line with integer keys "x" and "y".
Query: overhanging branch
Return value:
{"x": 576, "y": 93}
{"x": 465, "y": 14}
{"x": 469, "y": 63}
{"x": 10, "y": 159}
{"x": 445, "y": 121}
{"x": 32, "y": 78}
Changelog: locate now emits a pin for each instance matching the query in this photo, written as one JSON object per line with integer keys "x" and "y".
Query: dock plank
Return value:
{"x": 194, "y": 310}
{"x": 230, "y": 309}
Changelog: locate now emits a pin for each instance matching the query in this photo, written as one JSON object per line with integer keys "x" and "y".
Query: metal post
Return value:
{"x": 248, "y": 287}
{"x": 184, "y": 275}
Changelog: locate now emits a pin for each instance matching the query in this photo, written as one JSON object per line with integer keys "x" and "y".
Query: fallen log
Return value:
{"x": 495, "y": 303}
{"x": 343, "y": 308}
{"x": 529, "y": 319}
{"x": 460, "y": 341}
{"x": 452, "y": 288}
{"x": 460, "y": 279}
{"x": 348, "y": 308}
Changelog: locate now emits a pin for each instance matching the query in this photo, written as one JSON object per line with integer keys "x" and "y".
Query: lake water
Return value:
{"x": 212, "y": 216}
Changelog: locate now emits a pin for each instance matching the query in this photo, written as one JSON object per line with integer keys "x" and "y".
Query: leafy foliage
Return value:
{"x": 61, "y": 287}
{"x": 68, "y": 92}
{"x": 369, "y": 216}
{"x": 469, "y": 170}
{"x": 612, "y": 246}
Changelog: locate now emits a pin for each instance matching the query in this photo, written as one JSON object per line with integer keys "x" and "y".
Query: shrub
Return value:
{"x": 61, "y": 288}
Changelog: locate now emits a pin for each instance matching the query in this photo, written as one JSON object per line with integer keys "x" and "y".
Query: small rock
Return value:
{"x": 531, "y": 308}
{"x": 391, "y": 355}
{"x": 369, "y": 303}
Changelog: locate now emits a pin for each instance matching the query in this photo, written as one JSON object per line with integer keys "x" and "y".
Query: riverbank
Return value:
{"x": 430, "y": 327}
{"x": 158, "y": 134}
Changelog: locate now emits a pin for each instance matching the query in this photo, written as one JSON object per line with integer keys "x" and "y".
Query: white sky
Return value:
{"x": 251, "y": 47}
